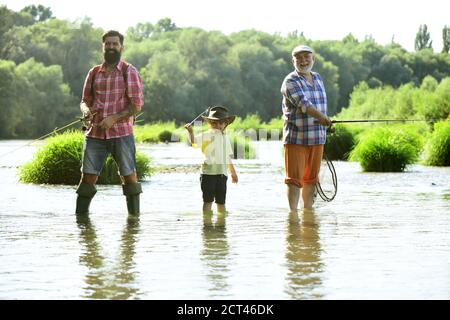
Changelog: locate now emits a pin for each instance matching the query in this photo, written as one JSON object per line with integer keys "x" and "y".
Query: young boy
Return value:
{"x": 217, "y": 151}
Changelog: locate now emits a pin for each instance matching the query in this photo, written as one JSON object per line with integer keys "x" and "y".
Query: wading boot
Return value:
{"x": 132, "y": 191}
{"x": 85, "y": 193}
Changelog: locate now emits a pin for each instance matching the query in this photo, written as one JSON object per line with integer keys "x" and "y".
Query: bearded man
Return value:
{"x": 112, "y": 96}
{"x": 304, "y": 107}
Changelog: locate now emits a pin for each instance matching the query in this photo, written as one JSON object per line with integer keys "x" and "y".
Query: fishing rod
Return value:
{"x": 85, "y": 127}
{"x": 205, "y": 111}
{"x": 375, "y": 120}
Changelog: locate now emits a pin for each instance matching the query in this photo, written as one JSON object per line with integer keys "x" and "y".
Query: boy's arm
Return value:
{"x": 188, "y": 127}
{"x": 234, "y": 177}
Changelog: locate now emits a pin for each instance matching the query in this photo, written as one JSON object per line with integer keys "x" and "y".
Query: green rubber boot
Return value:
{"x": 132, "y": 191}
{"x": 85, "y": 193}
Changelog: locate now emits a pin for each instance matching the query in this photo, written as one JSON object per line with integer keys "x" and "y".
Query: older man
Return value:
{"x": 112, "y": 95}
{"x": 304, "y": 108}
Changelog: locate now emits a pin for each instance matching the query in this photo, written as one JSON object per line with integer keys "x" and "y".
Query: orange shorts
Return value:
{"x": 302, "y": 163}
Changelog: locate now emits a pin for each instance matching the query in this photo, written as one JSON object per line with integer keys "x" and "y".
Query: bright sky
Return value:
{"x": 317, "y": 19}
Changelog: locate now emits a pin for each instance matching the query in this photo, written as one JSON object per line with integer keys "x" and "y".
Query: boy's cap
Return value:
{"x": 219, "y": 113}
{"x": 301, "y": 48}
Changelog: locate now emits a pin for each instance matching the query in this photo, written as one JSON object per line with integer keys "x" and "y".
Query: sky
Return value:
{"x": 383, "y": 20}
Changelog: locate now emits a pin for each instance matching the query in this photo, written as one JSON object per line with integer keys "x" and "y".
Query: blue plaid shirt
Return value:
{"x": 298, "y": 95}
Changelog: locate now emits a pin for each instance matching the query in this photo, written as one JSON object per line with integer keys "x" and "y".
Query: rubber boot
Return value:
{"x": 85, "y": 193}
{"x": 132, "y": 191}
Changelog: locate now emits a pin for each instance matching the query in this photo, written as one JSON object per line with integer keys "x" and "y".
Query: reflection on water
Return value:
{"x": 384, "y": 236}
{"x": 303, "y": 255}
{"x": 214, "y": 255}
{"x": 103, "y": 281}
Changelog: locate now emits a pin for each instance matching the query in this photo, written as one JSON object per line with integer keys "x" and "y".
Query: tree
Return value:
{"x": 446, "y": 39}
{"x": 392, "y": 71}
{"x": 140, "y": 32}
{"x": 10, "y": 88}
{"x": 48, "y": 102}
{"x": 39, "y": 13}
{"x": 76, "y": 47}
{"x": 423, "y": 39}
{"x": 165, "y": 25}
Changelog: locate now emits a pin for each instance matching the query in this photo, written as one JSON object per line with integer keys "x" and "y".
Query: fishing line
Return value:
{"x": 84, "y": 128}
{"x": 327, "y": 194}
{"x": 327, "y": 191}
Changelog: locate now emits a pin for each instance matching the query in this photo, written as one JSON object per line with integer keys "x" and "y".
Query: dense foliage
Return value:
{"x": 44, "y": 61}
{"x": 430, "y": 101}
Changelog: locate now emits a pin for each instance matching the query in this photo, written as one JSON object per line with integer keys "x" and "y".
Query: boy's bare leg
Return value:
{"x": 221, "y": 213}
{"x": 221, "y": 208}
{"x": 207, "y": 213}
{"x": 293, "y": 194}
{"x": 308, "y": 195}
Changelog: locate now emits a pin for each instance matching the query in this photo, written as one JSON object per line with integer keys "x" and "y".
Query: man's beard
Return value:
{"x": 306, "y": 69}
{"x": 111, "y": 56}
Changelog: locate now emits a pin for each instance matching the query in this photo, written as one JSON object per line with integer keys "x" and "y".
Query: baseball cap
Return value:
{"x": 301, "y": 48}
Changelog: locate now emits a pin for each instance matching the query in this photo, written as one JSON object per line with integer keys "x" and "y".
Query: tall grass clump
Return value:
{"x": 56, "y": 162}
{"x": 437, "y": 149}
{"x": 340, "y": 143}
{"x": 387, "y": 149}
{"x": 59, "y": 162}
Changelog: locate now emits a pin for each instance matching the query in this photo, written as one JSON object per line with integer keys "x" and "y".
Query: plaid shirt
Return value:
{"x": 111, "y": 96}
{"x": 298, "y": 95}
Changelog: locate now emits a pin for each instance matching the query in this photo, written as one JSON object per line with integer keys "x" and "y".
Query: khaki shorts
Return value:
{"x": 302, "y": 163}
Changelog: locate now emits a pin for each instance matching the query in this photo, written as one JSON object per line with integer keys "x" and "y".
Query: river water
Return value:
{"x": 384, "y": 236}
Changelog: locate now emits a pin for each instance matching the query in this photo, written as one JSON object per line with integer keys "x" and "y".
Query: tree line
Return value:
{"x": 44, "y": 61}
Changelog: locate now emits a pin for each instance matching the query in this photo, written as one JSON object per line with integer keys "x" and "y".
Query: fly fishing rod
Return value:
{"x": 195, "y": 119}
{"x": 375, "y": 120}
{"x": 86, "y": 125}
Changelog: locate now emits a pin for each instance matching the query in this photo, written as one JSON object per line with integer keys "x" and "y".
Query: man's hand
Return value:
{"x": 234, "y": 178}
{"x": 87, "y": 114}
{"x": 325, "y": 121}
{"x": 108, "y": 122}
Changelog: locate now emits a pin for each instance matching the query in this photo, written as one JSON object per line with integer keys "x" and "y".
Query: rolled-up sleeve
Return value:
{"x": 134, "y": 88}
{"x": 87, "y": 90}
{"x": 295, "y": 94}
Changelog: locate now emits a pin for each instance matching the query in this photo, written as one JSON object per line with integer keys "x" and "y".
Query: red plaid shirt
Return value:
{"x": 111, "y": 96}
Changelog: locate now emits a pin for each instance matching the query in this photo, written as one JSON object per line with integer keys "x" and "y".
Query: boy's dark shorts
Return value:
{"x": 214, "y": 187}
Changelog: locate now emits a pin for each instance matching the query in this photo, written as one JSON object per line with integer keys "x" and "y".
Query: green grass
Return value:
{"x": 242, "y": 147}
{"x": 156, "y": 132}
{"x": 252, "y": 125}
{"x": 59, "y": 162}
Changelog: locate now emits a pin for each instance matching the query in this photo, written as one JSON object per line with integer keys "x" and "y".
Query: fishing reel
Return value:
{"x": 331, "y": 130}
{"x": 87, "y": 123}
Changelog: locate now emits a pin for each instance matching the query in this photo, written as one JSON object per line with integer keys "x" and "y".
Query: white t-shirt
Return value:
{"x": 217, "y": 151}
